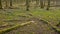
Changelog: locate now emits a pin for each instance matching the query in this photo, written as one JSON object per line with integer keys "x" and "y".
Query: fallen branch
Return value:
{"x": 14, "y": 27}
{"x": 55, "y": 28}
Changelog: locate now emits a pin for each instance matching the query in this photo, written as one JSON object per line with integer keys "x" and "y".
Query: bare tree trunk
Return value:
{"x": 41, "y": 4}
{"x": 0, "y": 4}
{"x": 27, "y": 5}
{"x": 37, "y": 3}
{"x": 11, "y": 4}
{"x": 48, "y": 6}
{"x": 44, "y": 2}
{"x": 6, "y": 3}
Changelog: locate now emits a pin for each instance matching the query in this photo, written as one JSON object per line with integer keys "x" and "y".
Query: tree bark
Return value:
{"x": 44, "y": 2}
{"x": 37, "y": 3}
{"x": 0, "y": 4}
{"x": 27, "y": 5}
{"x": 11, "y": 4}
{"x": 48, "y": 6}
{"x": 6, "y": 3}
{"x": 41, "y": 4}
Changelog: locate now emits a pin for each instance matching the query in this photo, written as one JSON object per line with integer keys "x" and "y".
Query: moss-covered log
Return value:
{"x": 14, "y": 27}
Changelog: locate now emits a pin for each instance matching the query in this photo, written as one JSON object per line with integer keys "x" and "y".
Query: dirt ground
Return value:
{"x": 36, "y": 27}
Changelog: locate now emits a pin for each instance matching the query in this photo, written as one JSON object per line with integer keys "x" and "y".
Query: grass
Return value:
{"x": 14, "y": 27}
{"x": 51, "y": 16}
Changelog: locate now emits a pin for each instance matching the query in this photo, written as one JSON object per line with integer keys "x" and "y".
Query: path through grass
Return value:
{"x": 14, "y": 17}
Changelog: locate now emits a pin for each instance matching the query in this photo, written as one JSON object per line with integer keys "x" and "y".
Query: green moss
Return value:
{"x": 14, "y": 27}
{"x": 51, "y": 16}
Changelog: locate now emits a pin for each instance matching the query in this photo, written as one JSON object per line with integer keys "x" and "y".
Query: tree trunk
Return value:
{"x": 27, "y": 5}
{"x": 0, "y": 4}
{"x": 44, "y": 2}
{"x": 48, "y": 6}
{"x": 6, "y": 3}
{"x": 37, "y": 3}
{"x": 41, "y": 4}
{"x": 11, "y": 4}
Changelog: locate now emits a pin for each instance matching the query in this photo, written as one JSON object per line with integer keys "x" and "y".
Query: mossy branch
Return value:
{"x": 14, "y": 27}
{"x": 55, "y": 28}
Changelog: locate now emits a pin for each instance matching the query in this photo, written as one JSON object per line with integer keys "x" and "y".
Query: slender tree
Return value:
{"x": 6, "y": 1}
{"x": 0, "y": 4}
{"x": 44, "y": 2}
{"x": 27, "y": 5}
{"x": 48, "y": 6}
{"x": 41, "y": 3}
{"x": 37, "y": 3}
{"x": 11, "y": 4}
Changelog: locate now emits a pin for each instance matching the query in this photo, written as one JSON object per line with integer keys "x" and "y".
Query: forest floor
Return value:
{"x": 11, "y": 17}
